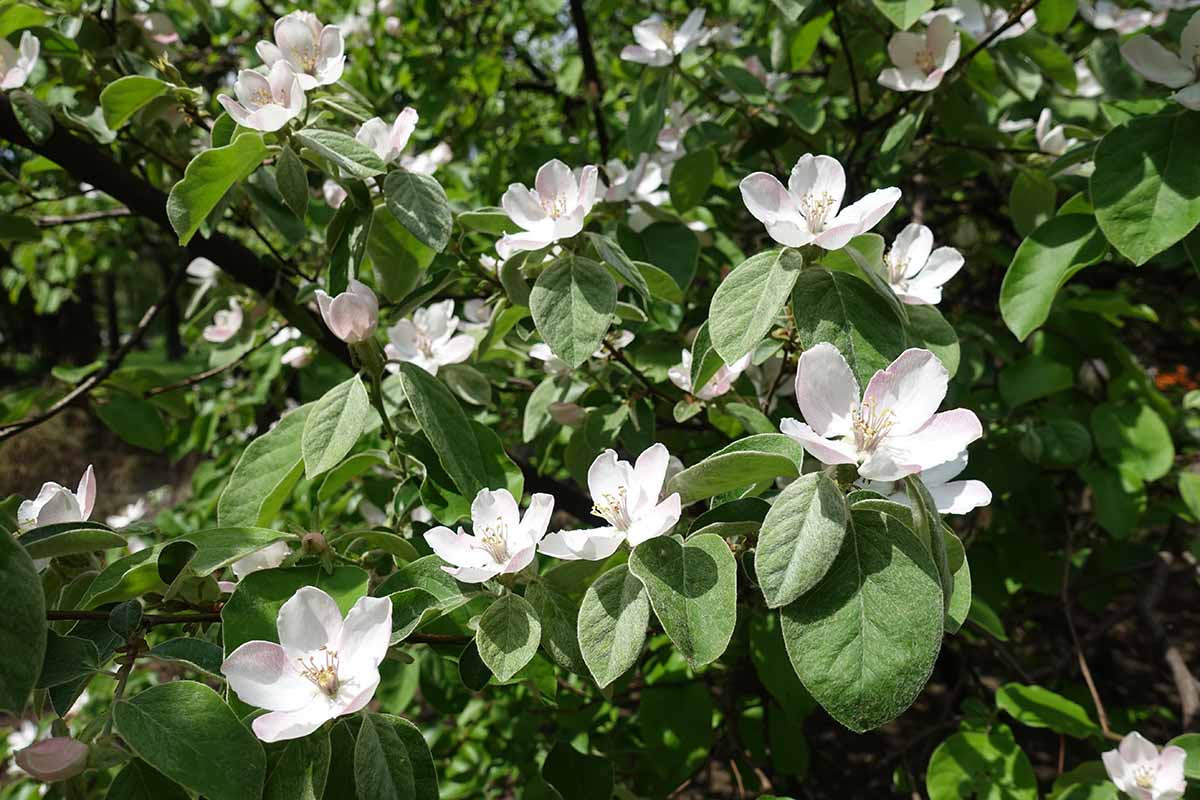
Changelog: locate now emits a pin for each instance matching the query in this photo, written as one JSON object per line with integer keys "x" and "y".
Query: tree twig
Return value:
{"x": 87, "y": 216}
{"x": 200, "y": 377}
{"x": 1185, "y": 682}
{"x": 1065, "y": 595}
{"x": 595, "y": 89}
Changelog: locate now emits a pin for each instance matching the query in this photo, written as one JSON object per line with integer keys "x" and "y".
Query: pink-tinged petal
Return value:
{"x": 910, "y": 390}
{"x": 1189, "y": 97}
{"x": 474, "y": 574}
{"x": 555, "y": 183}
{"x": 837, "y": 234}
{"x": 912, "y": 246}
{"x": 511, "y": 243}
{"x": 1156, "y": 63}
{"x": 585, "y": 545}
{"x": 363, "y": 643}
{"x": 887, "y": 463}
{"x": 687, "y": 34}
{"x": 827, "y": 451}
{"x": 1136, "y": 748}
{"x": 249, "y": 86}
{"x": 537, "y": 517}
{"x": 871, "y": 208}
{"x": 589, "y": 181}
{"x": 61, "y": 506}
{"x": 262, "y": 675}
{"x": 457, "y": 350}
{"x": 959, "y": 497}
{"x": 766, "y": 198}
{"x": 1170, "y": 776}
{"x": 457, "y": 549}
{"x": 374, "y": 134}
{"x": 826, "y": 390}
{"x": 1116, "y": 768}
{"x": 941, "y": 439}
{"x": 333, "y": 58}
{"x": 268, "y": 118}
{"x": 31, "y": 46}
{"x": 524, "y": 208}
{"x": 369, "y": 683}
{"x": 403, "y": 128}
{"x": 650, "y": 470}
{"x": 279, "y": 726}
{"x": 819, "y": 176}
{"x": 655, "y": 523}
{"x": 649, "y": 34}
{"x": 235, "y": 109}
{"x": 903, "y": 49}
{"x": 86, "y": 493}
{"x": 308, "y": 621}
{"x": 268, "y": 52}
{"x": 52, "y": 760}
{"x": 791, "y": 233}
{"x": 294, "y": 38}
{"x": 364, "y": 293}
{"x": 900, "y": 80}
{"x": 639, "y": 55}
{"x": 496, "y": 510}
{"x": 519, "y": 560}
{"x": 227, "y": 587}
{"x": 569, "y": 224}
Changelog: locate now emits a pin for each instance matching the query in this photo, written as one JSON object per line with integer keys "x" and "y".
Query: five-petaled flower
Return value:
{"x": 554, "y": 209}
{"x": 915, "y": 271}
{"x": 658, "y": 42}
{"x": 720, "y": 383}
{"x": 265, "y": 103}
{"x": 56, "y": 503}
{"x": 502, "y": 541}
{"x": 894, "y": 430}
{"x": 314, "y": 52}
{"x": 1140, "y": 770}
{"x": 388, "y": 142}
{"x": 983, "y": 21}
{"x": 1108, "y": 16}
{"x": 353, "y": 314}
{"x": 428, "y": 339}
{"x": 950, "y": 496}
{"x": 1158, "y": 64}
{"x": 809, "y": 209}
{"x": 322, "y": 668}
{"x": 626, "y": 497}
{"x": 225, "y": 325}
{"x": 922, "y": 59}
{"x": 15, "y": 65}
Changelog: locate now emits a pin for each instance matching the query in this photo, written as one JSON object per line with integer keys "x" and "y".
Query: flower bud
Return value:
{"x": 352, "y": 315}
{"x": 314, "y": 543}
{"x": 54, "y": 759}
{"x": 568, "y": 414}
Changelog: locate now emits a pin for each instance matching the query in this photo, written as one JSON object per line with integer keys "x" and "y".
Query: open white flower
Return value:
{"x": 297, "y": 357}
{"x": 718, "y": 384}
{"x": 202, "y": 272}
{"x": 388, "y": 142}
{"x": 774, "y": 82}
{"x": 428, "y": 339}
{"x": 265, "y": 103}
{"x": 1086, "y": 84}
{"x": 658, "y": 42}
{"x": 478, "y": 313}
{"x": 56, "y": 503}
{"x": 315, "y": 52}
{"x": 1142, "y": 772}
{"x": 982, "y": 21}
{"x": 678, "y": 121}
{"x": 922, "y": 59}
{"x": 428, "y": 161}
{"x": 1158, "y": 64}
{"x": 809, "y": 210}
{"x": 324, "y": 667}
{"x": 554, "y": 209}
{"x": 1108, "y": 16}
{"x": 729, "y": 34}
{"x": 15, "y": 65}
{"x": 950, "y": 496}
{"x": 627, "y": 498}
{"x": 551, "y": 364}
{"x": 502, "y": 541}
{"x": 642, "y": 184}
{"x": 225, "y": 325}
{"x": 127, "y": 515}
{"x": 353, "y": 314}
{"x": 894, "y": 430}
{"x": 915, "y": 271}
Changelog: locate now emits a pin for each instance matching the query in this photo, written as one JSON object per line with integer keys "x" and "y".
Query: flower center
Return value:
{"x": 555, "y": 206}
{"x": 494, "y": 539}
{"x": 871, "y": 425}
{"x": 615, "y": 509}
{"x": 305, "y": 57}
{"x": 425, "y": 345}
{"x": 896, "y": 267}
{"x": 1144, "y": 774}
{"x": 815, "y": 208}
{"x": 925, "y": 60}
{"x": 322, "y": 673}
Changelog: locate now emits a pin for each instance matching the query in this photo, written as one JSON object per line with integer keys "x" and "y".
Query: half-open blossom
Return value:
{"x": 894, "y": 430}
{"x": 315, "y": 52}
{"x": 1086, "y": 84}
{"x": 809, "y": 209}
{"x": 982, "y": 21}
{"x": 225, "y": 325}
{"x": 950, "y": 496}
{"x": 915, "y": 271}
{"x": 678, "y": 121}
{"x": 554, "y": 209}
{"x": 428, "y": 161}
{"x": 56, "y": 503}
{"x": 922, "y": 59}
{"x": 1140, "y": 770}
{"x": 269, "y": 557}
{"x": 15, "y": 65}
{"x": 627, "y": 498}
{"x": 128, "y": 515}
{"x": 720, "y": 383}
{"x": 55, "y": 759}
{"x": 388, "y": 141}
{"x": 324, "y": 667}
{"x": 659, "y": 42}
{"x": 265, "y": 103}
{"x": 1108, "y": 16}
{"x": 1158, "y": 64}
{"x": 642, "y": 184}
{"x": 334, "y": 193}
{"x": 502, "y": 541}
{"x": 429, "y": 338}
{"x": 202, "y": 272}
{"x": 297, "y": 357}
{"x": 353, "y": 314}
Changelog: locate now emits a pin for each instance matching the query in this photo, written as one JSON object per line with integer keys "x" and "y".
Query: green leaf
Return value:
{"x": 210, "y": 550}
{"x": 1146, "y": 187}
{"x": 68, "y": 658}
{"x": 841, "y": 309}
{"x": 399, "y": 260}
{"x": 298, "y": 768}
{"x": 578, "y": 775}
{"x": 1135, "y": 438}
{"x": 351, "y": 155}
{"x": 1041, "y": 708}
{"x": 572, "y": 303}
{"x": 691, "y": 178}
{"x": 448, "y": 429}
{"x": 800, "y": 538}
{"x": 902, "y": 13}
{"x": 419, "y": 203}
{"x": 69, "y": 538}
{"x": 490, "y": 220}
{"x": 693, "y": 589}
{"x": 292, "y": 180}
{"x": 612, "y": 624}
{"x": 206, "y": 180}
{"x": 508, "y": 636}
{"x": 960, "y": 601}
{"x": 927, "y": 328}
{"x": 1033, "y": 377}
{"x": 1031, "y": 201}
{"x": 611, "y": 254}
{"x": 757, "y": 458}
{"x": 1043, "y": 263}
{"x": 32, "y": 115}
{"x": 1189, "y": 491}
{"x": 382, "y": 766}
{"x": 706, "y": 362}
{"x": 133, "y": 419}
{"x": 1054, "y": 16}
{"x": 183, "y": 729}
{"x": 748, "y": 302}
{"x": 864, "y": 640}
{"x": 1118, "y": 497}
{"x": 558, "y": 614}
{"x": 265, "y": 474}
{"x": 132, "y": 576}
{"x": 197, "y": 653}
{"x": 137, "y": 780}
{"x": 122, "y": 98}
{"x": 649, "y": 111}
{"x": 927, "y": 525}
{"x": 987, "y": 766}
{"x": 334, "y": 426}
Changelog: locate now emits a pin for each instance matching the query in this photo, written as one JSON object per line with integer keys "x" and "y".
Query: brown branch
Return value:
{"x": 87, "y": 216}
{"x": 200, "y": 377}
{"x": 595, "y": 89}
{"x": 1065, "y": 595}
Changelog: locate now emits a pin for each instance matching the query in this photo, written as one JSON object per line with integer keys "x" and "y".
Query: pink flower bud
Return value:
{"x": 569, "y": 414}
{"x": 54, "y": 759}
{"x": 352, "y": 315}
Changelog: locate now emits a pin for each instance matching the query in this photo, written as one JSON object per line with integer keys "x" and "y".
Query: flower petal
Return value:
{"x": 555, "y": 183}
{"x": 827, "y": 451}
{"x": 903, "y": 49}
{"x": 456, "y": 351}
{"x": 910, "y": 390}
{"x": 655, "y": 523}
{"x": 537, "y": 516}
{"x": 608, "y": 475}
{"x": 85, "y": 495}
{"x": 1156, "y": 63}
{"x": 872, "y": 208}
{"x": 279, "y": 726}
{"x": 913, "y": 246}
{"x": 826, "y": 390}
{"x": 261, "y": 674}
{"x": 366, "y": 632}
{"x": 308, "y": 621}
{"x": 457, "y": 549}
{"x": 650, "y": 471}
{"x": 523, "y": 207}
{"x": 938, "y": 441}
{"x": 496, "y": 510}
{"x": 943, "y": 264}
{"x": 596, "y": 544}
{"x": 959, "y": 497}
{"x": 766, "y": 198}
{"x": 819, "y": 176}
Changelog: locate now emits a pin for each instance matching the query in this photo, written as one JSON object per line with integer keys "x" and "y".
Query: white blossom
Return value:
{"x": 501, "y": 542}
{"x": 551, "y": 364}
{"x": 1158, "y": 64}
{"x": 720, "y": 383}
{"x": 982, "y": 21}
{"x": 1086, "y": 84}
{"x": 225, "y": 325}
{"x": 56, "y": 503}
{"x": 1106, "y": 15}
{"x": 388, "y": 141}
{"x": 297, "y": 357}
{"x": 353, "y": 314}
{"x": 1143, "y": 772}
{"x": 265, "y": 103}
{"x": 642, "y": 184}
{"x": 554, "y": 209}
{"x": 428, "y": 161}
{"x": 202, "y": 272}
{"x": 15, "y": 65}
{"x": 314, "y": 52}
{"x": 128, "y": 515}
{"x": 430, "y": 339}
{"x": 334, "y": 193}
{"x": 922, "y": 59}
{"x": 659, "y": 42}
{"x": 950, "y": 496}
{"x": 915, "y": 270}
